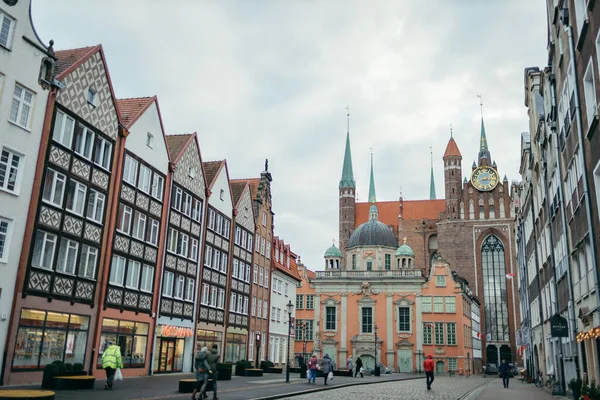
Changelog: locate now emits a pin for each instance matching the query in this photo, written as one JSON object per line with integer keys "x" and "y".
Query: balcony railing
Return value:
{"x": 394, "y": 273}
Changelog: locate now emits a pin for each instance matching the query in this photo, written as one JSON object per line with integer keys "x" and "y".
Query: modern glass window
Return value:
{"x": 67, "y": 256}
{"x": 495, "y": 298}
{"x": 440, "y": 280}
{"x": 64, "y": 126}
{"x": 404, "y": 319}
{"x": 439, "y": 333}
{"x": 299, "y": 301}
{"x": 152, "y": 234}
{"x": 133, "y": 275}
{"x": 76, "y": 197}
{"x": 117, "y": 271}
{"x": 9, "y": 170}
{"x": 144, "y": 179}
{"x": 235, "y": 349}
{"x": 4, "y": 235}
{"x": 44, "y": 337}
{"x": 54, "y": 187}
{"x": 168, "y": 284}
{"x": 367, "y": 320}
{"x": 158, "y": 184}
{"x": 438, "y": 304}
{"x": 43, "y": 250}
{"x": 427, "y": 332}
{"x": 102, "y": 153}
{"x": 124, "y": 217}
{"x": 84, "y": 141}
{"x": 132, "y": 337}
{"x": 130, "y": 170}
{"x": 7, "y": 27}
{"x": 95, "y": 206}
{"x": 451, "y": 333}
{"x": 22, "y": 102}
{"x": 450, "y": 304}
{"x": 426, "y": 304}
{"x": 147, "y": 278}
{"x": 330, "y": 318}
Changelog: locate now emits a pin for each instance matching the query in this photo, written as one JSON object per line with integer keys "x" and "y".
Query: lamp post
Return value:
{"x": 304, "y": 341}
{"x": 376, "y": 368}
{"x": 290, "y": 308}
{"x": 257, "y": 348}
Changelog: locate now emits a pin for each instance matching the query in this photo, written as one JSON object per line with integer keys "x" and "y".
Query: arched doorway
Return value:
{"x": 368, "y": 361}
{"x": 505, "y": 353}
{"x": 491, "y": 354}
{"x": 439, "y": 367}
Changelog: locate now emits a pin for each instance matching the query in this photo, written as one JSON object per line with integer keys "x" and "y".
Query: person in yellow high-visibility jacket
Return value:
{"x": 111, "y": 360}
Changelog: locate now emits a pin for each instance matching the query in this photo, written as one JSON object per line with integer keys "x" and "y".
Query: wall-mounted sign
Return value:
{"x": 176, "y": 331}
{"x": 559, "y": 326}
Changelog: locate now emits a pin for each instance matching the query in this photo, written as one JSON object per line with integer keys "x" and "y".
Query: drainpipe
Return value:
{"x": 565, "y": 233}
{"x": 586, "y": 188}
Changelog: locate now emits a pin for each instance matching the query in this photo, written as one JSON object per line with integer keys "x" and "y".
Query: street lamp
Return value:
{"x": 290, "y": 308}
{"x": 376, "y": 368}
{"x": 257, "y": 347}
{"x": 304, "y": 340}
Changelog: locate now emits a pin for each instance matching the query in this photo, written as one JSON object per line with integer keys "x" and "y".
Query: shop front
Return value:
{"x": 169, "y": 349}
{"x": 236, "y": 345}
{"x": 206, "y": 338}
{"x": 131, "y": 336}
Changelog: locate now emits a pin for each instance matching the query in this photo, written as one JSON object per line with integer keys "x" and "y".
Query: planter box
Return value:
{"x": 73, "y": 382}
{"x": 253, "y": 372}
{"x": 273, "y": 370}
{"x": 26, "y": 394}
{"x": 296, "y": 369}
{"x": 48, "y": 377}
{"x": 342, "y": 372}
{"x": 224, "y": 374}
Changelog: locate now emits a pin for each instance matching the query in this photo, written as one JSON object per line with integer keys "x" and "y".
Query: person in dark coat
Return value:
{"x": 504, "y": 370}
{"x": 327, "y": 366}
{"x": 359, "y": 366}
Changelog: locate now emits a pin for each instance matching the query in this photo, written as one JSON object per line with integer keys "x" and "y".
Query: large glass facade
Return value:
{"x": 44, "y": 337}
{"x": 131, "y": 336}
{"x": 235, "y": 349}
{"x": 494, "y": 289}
{"x": 207, "y": 339}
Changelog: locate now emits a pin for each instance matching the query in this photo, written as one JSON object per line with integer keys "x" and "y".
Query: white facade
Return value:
{"x": 283, "y": 289}
{"x": 20, "y": 133}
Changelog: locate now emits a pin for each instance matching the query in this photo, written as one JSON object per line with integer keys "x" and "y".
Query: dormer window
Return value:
{"x": 149, "y": 139}
{"x": 192, "y": 172}
{"x": 91, "y": 98}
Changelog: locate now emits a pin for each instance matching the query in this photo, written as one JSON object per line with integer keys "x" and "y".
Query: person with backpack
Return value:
{"x": 203, "y": 371}
{"x": 429, "y": 365}
{"x": 111, "y": 361}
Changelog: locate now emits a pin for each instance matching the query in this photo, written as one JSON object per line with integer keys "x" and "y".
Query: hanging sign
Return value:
{"x": 176, "y": 331}
{"x": 559, "y": 326}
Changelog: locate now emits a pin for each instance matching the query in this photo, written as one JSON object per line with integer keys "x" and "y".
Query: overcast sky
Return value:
{"x": 271, "y": 79}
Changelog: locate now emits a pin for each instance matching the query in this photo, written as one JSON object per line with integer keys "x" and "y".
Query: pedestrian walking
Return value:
{"x": 428, "y": 366}
{"x": 111, "y": 362}
{"x": 203, "y": 372}
{"x": 359, "y": 367}
{"x": 327, "y": 367}
{"x": 504, "y": 373}
{"x": 213, "y": 357}
{"x": 350, "y": 364}
{"x": 313, "y": 365}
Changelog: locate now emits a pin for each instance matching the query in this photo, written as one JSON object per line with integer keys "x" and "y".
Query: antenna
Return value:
{"x": 431, "y": 154}
{"x": 481, "y": 104}
{"x": 450, "y": 131}
{"x": 348, "y": 119}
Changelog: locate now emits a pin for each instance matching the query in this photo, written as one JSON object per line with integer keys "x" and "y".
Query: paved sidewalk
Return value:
{"x": 516, "y": 391}
{"x": 269, "y": 386}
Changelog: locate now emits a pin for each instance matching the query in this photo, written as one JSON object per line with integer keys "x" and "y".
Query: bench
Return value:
{"x": 253, "y": 372}
{"x": 273, "y": 370}
{"x": 342, "y": 372}
{"x": 188, "y": 385}
{"x": 26, "y": 394}
{"x": 73, "y": 382}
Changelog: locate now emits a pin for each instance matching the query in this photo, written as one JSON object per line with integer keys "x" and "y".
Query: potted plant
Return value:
{"x": 241, "y": 366}
{"x": 592, "y": 391}
{"x": 575, "y": 386}
{"x": 50, "y": 371}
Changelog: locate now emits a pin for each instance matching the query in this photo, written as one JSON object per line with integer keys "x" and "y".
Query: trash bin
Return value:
{"x": 377, "y": 371}
{"x": 303, "y": 371}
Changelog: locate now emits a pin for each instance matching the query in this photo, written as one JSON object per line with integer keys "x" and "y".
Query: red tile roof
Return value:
{"x": 412, "y": 210}
{"x": 131, "y": 109}
{"x": 253, "y": 182}
{"x": 176, "y": 144}
{"x": 292, "y": 271}
{"x": 237, "y": 188}
{"x": 211, "y": 168}
{"x": 310, "y": 274}
{"x": 452, "y": 149}
{"x": 68, "y": 59}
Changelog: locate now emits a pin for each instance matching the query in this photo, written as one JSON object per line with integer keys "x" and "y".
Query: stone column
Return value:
{"x": 389, "y": 306}
{"x": 317, "y": 322}
{"x": 343, "y": 356}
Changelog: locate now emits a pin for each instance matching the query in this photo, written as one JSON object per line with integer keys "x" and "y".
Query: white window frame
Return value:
{"x": 56, "y": 177}
{"x": 232, "y": 302}
{"x": 189, "y": 289}
{"x": 179, "y": 287}
{"x": 440, "y": 280}
{"x": 184, "y": 241}
{"x": 259, "y": 308}
{"x": 102, "y": 152}
{"x": 168, "y": 284}
{"x": 172, "y": 240}
{"x": 147, "y": 278}
{"x": 126, "y": 210}
{"x": 117, "y": 271}
{"x": 68, "y": 248}
{"x": 267, "y": 278}
{"x": 5, "y": 235}
{"x": 92, "y": 97}
{"x": 153, "y": 232}
{"x": 234, "y": 269}
{"x": 4, "y": 19}
{"x": 261, "y": 276}
{"x": 78, "y": 190}
{"x": 213, "y": 296}
{"x": 88, "y": 259}
{"x": 85, "y": 147}
{"x": 145, "y": 179}
{"x": 589, "y": 92}
{"x": 139, "y": 225}
{"x": 132, "y": 280}
{"x": 205, "y": 294}
{"x": 268, "y": 251}
{"x": 149, "y": 140}
{"x": 197, "y": 210}
{"x": 21, "y": 107}
{"x": 208, "y": 254}
{"x": 247, "y": 277}
{"x": 221, "y": 303}
{"x": 158, "y": 183}
{"x": 61, "y": 133}
{"x": 224, "y": 257}
{"x": 49, "y": 242}
{"x": 177, "y": 199}
{"x": 255, "y": 279}
{"x": 130, "y": 170}
{"x": 193, "y": 249}
{"x": 187, "y": 204}
{"x": 95, "y": 205}
{"x": 11, "y": 162}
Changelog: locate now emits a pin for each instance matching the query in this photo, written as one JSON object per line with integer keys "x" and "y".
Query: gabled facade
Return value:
{"x": 285, "y": 279}
{"x": 238, "y": 319}
{"x": 68, "y": 223}
{"x": 304, "y": 323}
{"x": 176, "y": 322}
{"x": 26, "y": 71}
{"x": 214, "y": 294}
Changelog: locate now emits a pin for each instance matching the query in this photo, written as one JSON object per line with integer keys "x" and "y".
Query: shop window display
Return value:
{"x": 131, "y": 336}
{"x": 208, "y": 338}
{"x": 44, "y": 337}
{"x": 235, "y": 349}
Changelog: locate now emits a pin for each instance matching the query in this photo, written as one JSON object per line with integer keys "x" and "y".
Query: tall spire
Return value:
{"x": 432, "y": 181}
{"x": 372, "y": 197}
{"x": 484, "y": 152}
{"x": 347, "y": 180}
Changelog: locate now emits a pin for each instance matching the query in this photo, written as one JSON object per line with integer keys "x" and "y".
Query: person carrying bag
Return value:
{"x": 112, "y": 364}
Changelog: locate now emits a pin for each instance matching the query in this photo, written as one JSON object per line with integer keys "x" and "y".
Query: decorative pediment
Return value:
{"x": 404, "y": 343}
{"x": 366, "y": 301}
{"x": 404, "y": 301}
{"x": 330, "y": 301}
{"x": 366, "y": 290}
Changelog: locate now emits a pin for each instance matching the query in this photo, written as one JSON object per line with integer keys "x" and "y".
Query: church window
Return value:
{"x": 426, "y": 304}
{"x": 353, "y": 261}
{"x": 330, "y": 318}
{"x": 471, "y": 210}
{"x": 492, "y": 212}
{"x": 439, "y": 333}
{"x": 494, "y": 288}
{"x": 388, "y": 262}
{"x": 404, "y": 319}
{"x": 367, "y": 320}
{"x": 481, "y": 215}
{"x": 369, "y": 265}
{"x": 427, "y": 332}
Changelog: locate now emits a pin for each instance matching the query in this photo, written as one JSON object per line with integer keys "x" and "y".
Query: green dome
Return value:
{"x": 405, "y": 251}
{"x": 333, "y": 252}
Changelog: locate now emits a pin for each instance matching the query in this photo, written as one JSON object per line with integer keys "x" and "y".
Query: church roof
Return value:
{"x": 347, "y": 173}
{"x": 412, "y": 210}
{"x": 452, "y": 149}
{"x": 373, "y": 233}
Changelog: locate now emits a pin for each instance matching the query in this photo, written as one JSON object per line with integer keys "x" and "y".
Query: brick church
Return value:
{"x": 472, "y": 229}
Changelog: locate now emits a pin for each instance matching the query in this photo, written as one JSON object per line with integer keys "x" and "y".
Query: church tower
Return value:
{"x": 347, "y": 198}
{"x": 484, "y": 157}
{"x": 452, "y": 179}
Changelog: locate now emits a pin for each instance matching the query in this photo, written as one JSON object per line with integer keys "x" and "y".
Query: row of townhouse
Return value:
{"x": 111, "y": 230}
{"x": 558, "y": 220}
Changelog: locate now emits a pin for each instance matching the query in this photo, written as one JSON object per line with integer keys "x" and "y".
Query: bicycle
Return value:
{"x": 539, "y": 382}
{"x": 550, "y": 381}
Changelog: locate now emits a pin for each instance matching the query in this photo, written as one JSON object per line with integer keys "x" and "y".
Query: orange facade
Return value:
{"x": 305, "y": 315}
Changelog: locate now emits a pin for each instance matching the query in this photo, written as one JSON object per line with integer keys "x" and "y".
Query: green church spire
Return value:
{"x": 432, "y": 181}
{"x": 372, "y": 197}
{"x": 347, "y": 180}
{"x": 484, "y": 152}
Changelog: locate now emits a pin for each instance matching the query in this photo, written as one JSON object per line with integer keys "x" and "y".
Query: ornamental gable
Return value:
{"x": 190, "y": 161}
{"x": 245, "y": 217}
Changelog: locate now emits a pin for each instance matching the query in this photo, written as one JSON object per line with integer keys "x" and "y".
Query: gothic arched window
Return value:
{"x": 495, "y": 298}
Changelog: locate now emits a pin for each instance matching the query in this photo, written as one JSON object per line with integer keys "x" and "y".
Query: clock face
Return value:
{"x": 484, "y": 179}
